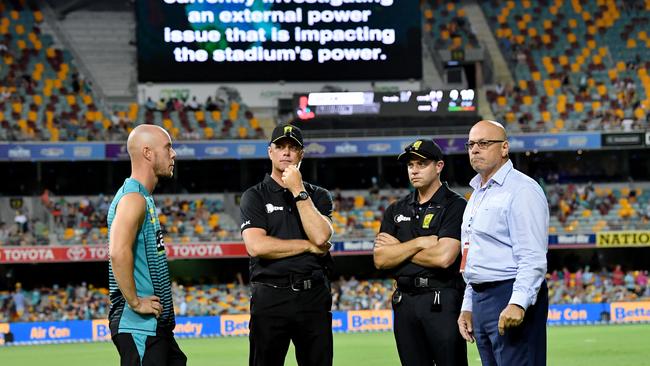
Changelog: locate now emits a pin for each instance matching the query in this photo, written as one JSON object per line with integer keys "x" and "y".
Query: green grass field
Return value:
{"x": 621, "y": 345}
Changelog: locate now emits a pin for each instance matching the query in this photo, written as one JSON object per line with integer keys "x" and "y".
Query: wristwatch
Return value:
{"x": 301, "y": 196}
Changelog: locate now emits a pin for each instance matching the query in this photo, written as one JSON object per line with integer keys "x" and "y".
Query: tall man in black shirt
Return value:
{"x": 419, "y": 242}
{"x": 286, "y": 226}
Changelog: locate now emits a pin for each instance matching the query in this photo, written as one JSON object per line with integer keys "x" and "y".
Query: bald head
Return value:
{"x": 494, "y": 129}
{"x": 145, "y": 136}
{"x": 488, "y": 148}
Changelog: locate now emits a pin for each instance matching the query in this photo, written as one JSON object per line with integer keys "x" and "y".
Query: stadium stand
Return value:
{"x": 447, "y": 23}
{"x": 84, "y": 301}
{"x": 575, "y": 209}
{"x": 577, "y": 65}
{"x": 43, "y": 97}
{"x": 223, "y": 117}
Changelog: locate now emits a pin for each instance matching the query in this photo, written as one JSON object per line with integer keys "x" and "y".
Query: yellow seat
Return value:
{"x": 68, "y": 233}
{"x": 521, "y": 25}
{"x": 597, "y": 60}
{"x": 578, "y": 107}
{"x": 54, "y": 134}
{"x": 613, "y": 74}
{"x": 32, "y": 116}
{"x": 602, "y": 51}
{"x": 528, "y": 100}
{"x": 556, "y": 83}
{"x": 208, "y": 132}
{"x": 639, "y": 113}
{"x": 359, "y": 201}
{"x": 550, "y": 68}
{"x": 17, "y": 107}
{"x": 174, "y": 132}
{"x": 523, "y": 84}
{"x": 595, "y": 105}
{"x": 575, "y": 67}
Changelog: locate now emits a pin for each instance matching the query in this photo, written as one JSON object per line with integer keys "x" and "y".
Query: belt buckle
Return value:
{"x": 421, "y": 282}
{"x": 306, "y": 285}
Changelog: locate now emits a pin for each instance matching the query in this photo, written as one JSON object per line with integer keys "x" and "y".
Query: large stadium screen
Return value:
{"x": 272, "y": 40}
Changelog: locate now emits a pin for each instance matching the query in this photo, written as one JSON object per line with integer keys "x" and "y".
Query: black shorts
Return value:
{"x": 143, "y": 350}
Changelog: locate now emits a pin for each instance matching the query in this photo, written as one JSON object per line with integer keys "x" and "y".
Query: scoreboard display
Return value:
{"x": 399, "y": 104}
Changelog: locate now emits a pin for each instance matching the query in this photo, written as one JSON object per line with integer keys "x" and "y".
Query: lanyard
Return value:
{"x": 466, "y": 244}
{"x": 475, "y": 207}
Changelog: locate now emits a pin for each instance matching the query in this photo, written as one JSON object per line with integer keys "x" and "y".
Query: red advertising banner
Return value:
{"x": 90, "y": 253}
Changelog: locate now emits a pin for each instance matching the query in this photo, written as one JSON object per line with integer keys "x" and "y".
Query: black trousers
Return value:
{"x": 428, "y": 335}
{"x": 138, "y": 349}
{"x": 281, "y": 315}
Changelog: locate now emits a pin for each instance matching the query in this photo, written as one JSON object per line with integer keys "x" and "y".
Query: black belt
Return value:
{"x": 296, "y": 282}
{"x": 422, "y": 284}
{"x": 480, "y": 287}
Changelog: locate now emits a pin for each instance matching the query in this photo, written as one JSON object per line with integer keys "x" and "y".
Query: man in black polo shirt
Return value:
{"x": 286, "y": 226}
{"x": 419, "y": 241}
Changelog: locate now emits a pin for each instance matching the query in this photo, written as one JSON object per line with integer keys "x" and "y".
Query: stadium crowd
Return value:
{"x": 85, "y": 301}
{"x": 574, "y": 208}
{"x": 592, "y": 72}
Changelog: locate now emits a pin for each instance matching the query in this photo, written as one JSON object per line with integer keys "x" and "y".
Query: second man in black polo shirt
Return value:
{"x": 419, "y": 241}
{"x": 286, "y": 226}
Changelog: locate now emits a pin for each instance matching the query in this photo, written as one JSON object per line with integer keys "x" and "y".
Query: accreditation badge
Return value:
{"x": 464, "y": 260}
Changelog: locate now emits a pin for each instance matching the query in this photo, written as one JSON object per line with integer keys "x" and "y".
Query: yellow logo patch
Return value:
{"x": 416, "y": 144}
{"x": 427, "y": 221}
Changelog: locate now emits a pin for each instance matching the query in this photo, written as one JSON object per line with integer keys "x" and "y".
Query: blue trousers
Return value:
{"x": 524, "y": 345}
